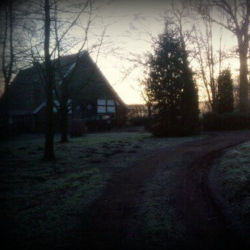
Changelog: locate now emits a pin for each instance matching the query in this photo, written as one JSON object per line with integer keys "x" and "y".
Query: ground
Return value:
{"x": 229, "y": 180}
{"x": 123, "y": 190}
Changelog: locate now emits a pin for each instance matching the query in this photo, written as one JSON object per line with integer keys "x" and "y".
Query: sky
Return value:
{"x": 131, "y": 26}
{"x": 126, "y": 25}
{"x": 130, "y": 36}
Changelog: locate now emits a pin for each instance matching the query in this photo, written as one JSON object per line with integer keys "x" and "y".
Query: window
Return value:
{"x": 101, "y": 102}
{"x": 105, "y": 106}
{"x": 101, "y": 106}
{"x": 111, "y": 109}
{"x": 101, "y": 109}
{"x": 111, "y": 106}
{"x": 110, "y": 103}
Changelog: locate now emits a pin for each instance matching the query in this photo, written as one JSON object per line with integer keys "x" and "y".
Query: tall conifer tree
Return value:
{"x": 225, "y": 92}
{"x": 171, "y": 88}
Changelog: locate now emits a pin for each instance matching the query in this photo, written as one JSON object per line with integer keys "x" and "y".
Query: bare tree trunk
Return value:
{"x": 243, "y": 105}
{"x": 64, "y": 124}
{"x": 149, "y": 107}
{"x": 64, "y": 113}
{"x": 205, "y": 64}
{"x": 65, "y": 80}
{"x": 7, "y": 59}
{"x": 49, "y": 133}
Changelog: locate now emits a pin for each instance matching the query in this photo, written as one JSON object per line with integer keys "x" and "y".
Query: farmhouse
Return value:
{"x": 91, "y": 97}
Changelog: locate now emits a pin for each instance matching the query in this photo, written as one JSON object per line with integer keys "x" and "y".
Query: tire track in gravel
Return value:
{"x": 107, "y": 221}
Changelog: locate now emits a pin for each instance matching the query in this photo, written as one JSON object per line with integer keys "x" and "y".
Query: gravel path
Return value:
{"x": 108, "y": 221}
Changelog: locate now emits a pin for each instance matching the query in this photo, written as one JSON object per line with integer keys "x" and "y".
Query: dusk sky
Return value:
{"x": 130, "y": 28}
{"x": 129, "y": 34}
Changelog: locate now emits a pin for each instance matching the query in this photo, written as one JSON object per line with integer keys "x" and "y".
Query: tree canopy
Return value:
{"x": 225, "y": 92}
{"x": 170, "y": 87}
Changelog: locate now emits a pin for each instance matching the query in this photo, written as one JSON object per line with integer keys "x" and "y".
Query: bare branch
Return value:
{"x": 85, "y": 6}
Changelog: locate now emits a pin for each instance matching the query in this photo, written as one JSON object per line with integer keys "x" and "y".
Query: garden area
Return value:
{"x": 42, "y": 201}
{"x": 103, "y": 181}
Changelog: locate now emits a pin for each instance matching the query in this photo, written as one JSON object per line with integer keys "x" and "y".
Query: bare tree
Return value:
{"x": 62, "y": 91}
{"x": 57, "y": 41}
{"x": 62, "y": 86}
{"x": 234, "y": 16}
{"x": 206, "y": 58}
{"x": 7, "y": 54}
{"x": 49, "y": 85}
{"x": 209, "y": 61}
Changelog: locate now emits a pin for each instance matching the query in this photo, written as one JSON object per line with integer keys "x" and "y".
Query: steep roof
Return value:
{"x": 86, "y": 84}
{"x": 26, "y": 92}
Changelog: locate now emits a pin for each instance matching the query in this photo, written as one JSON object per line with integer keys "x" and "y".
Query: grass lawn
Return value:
{"x": 231, "y": 176}
{"x": 41, "y": 202}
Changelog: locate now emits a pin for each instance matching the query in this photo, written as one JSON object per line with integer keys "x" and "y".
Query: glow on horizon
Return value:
{"x": 129, "y": 34}
{"x": 130, "y": 28}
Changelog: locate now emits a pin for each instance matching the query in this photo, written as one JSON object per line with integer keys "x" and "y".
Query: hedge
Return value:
{"x": 226, "y": 121}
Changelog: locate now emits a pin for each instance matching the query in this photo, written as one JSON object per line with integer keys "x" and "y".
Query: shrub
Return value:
{"x": 225, "y": 92}
{"x": 77, "y": 128}
{"x": 159, "y": 128}
{"x": 226, "y": 121}
{"x": 100, "y": 125}
{"x": 139, "y": 121}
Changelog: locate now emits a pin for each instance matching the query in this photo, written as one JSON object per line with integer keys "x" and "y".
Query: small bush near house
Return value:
{"x": 160, "y": 128}
{"x": 77, "y": 128}
{"x": 100, "y": 125}
{"x": 157, "y": 128}
{"x": 226, "y": 121}
{"x": 139, "y": 121}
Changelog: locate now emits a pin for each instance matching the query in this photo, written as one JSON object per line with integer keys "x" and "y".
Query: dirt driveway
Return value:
{"x": 117, "y": 219}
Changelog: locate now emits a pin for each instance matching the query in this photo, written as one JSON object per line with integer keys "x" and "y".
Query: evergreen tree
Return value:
{"x": 171, "y": 88}
{"x": 225, "y": 92}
